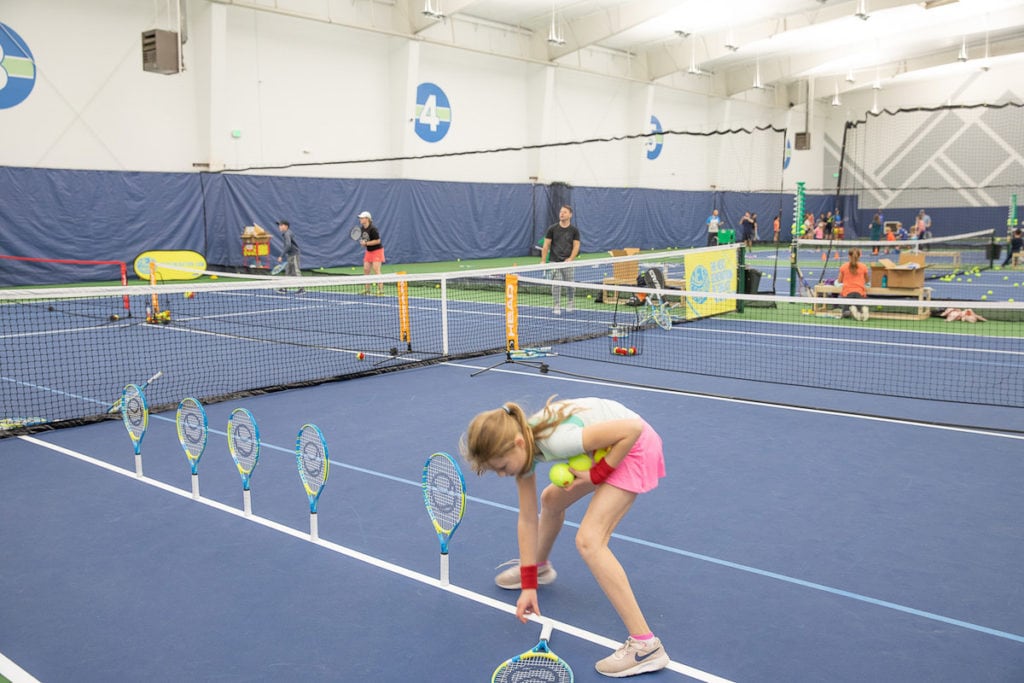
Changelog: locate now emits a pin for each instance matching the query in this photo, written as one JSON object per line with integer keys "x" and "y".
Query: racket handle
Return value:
{"x": 195, "y": 486}
{"x": 247, "y": 502}
{"x": 444, "y": 569}
{"x": 138, "y": 465}
{"x": 314, "y": 527}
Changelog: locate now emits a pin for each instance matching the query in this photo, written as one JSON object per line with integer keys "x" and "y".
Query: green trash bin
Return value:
{"x": 726, "y": 236}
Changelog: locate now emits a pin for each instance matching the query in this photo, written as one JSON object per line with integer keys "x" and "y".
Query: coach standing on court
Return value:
{"x": 374, "y": 256}
{"x": 562, "y": 244}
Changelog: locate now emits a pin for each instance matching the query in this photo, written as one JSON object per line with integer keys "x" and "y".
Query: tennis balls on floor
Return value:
{"x": 581, "y": 462}
{"x": 560, "y": 475}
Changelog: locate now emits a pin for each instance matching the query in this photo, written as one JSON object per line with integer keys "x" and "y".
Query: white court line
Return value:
{"x": 363, "y": 557}
{"x": 15, "y": 673}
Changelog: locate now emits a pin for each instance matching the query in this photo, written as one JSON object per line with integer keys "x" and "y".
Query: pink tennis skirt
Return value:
{"x": 643, "y": 466}
{"x": 376, "y": 256}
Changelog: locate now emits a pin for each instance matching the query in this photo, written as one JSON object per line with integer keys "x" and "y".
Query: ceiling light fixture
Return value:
{"x": 555, "y": 35}
{"x": 757, "y": 75}
{"x": 694, "y": 69}
{"x": 962, "y": 57}
{"x": 430, "y": 11}
{"x": 730, "y": 42}
{"x": 862, "y": 10}
{"x": 850, "y": 77}
{"x": 835, "y": 98}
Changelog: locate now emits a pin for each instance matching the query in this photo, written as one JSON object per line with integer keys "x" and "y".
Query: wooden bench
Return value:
{"x": 826, "y": 292}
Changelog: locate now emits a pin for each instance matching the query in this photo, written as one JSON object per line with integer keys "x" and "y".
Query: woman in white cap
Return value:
{"x": 374, "y": 256}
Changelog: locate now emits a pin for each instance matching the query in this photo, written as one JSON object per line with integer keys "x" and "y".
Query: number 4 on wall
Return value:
{"x": 433, "y": 113}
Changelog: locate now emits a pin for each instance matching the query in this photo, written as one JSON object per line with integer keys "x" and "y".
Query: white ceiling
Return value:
{"x": 736, "y": 42}
{"x": 713, "y": 47}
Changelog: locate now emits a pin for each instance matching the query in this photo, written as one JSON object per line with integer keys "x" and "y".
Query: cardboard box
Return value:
{"x": 626, "y": 270}
{"x": 907, "y": 274}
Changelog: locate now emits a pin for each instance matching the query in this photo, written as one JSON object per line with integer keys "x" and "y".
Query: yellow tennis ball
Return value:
{"x": 560, "y": 475}
{"x": 1016, "y": 284}
{"x": 599, "y": 454}
{"x": 1010, "y": 300}
{"x": 984, "y": 297}
{"x": 213, "y": 277}
{"x": 581, "y": 462}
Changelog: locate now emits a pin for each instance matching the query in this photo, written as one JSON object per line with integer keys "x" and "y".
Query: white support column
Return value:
{"x": 219, "y": 140}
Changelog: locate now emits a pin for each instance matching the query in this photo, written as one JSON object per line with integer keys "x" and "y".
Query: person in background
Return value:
{"x": 562, "y": 245}
{"x": 853, "y": 276}
{"x": 509, "y": 442}
{"x": 776, "y": 225}
{"x": 876, "y": 231}
{"x": 924, "y": 225}
{"x": 890, "y": 236}
{"x": 374, "y": 256}
{"x": 747, "y": 229}
{"x": 713, "y": 223}
{"x": 1015, "y": 249}
{"x": 290, "y": 252}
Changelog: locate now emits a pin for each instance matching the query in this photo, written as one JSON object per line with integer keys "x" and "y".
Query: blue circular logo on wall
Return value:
{"x": 433, "y": 113}
{"x": 655, "y": 142}
{"x": 788, "y": 156}
{"x": 17, "y": 68}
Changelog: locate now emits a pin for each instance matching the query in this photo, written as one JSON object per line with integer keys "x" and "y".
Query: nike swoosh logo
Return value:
{"x": 641, "y": 658}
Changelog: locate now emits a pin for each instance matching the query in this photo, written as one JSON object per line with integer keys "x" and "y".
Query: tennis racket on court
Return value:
{"x": 357, "y": 234}
{"x": 193, "y": 430}
{"x": 531, "y": 352}
{"x": 444, "y": 493}
{"x": 314, "y": 466}
{"x": 135, "y": 415}
{"x": 116, "y": 407}
{"x": 244, "y": 446}
{"x": 278, "y": 269}
{"x": 538, "y": 664}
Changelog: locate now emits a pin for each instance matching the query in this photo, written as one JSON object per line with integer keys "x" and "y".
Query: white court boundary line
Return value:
{"x": 356, "y": 555}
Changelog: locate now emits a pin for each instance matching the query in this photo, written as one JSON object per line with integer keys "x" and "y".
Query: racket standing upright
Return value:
{"x": 538, "y": 664}
{"x": 135, "y": 415}
{"x": 193, "y": 430}
{"x": 314, "y": 466}
{"x": 244, "y": 446}
{"x": 444, "y": 493}
{"x": 116, "y": 407}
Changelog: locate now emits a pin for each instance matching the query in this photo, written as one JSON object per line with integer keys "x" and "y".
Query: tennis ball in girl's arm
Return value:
{"x": 599, "y": 454}
{"x": 581, "y": 462}
{"x": 560, "y": 475}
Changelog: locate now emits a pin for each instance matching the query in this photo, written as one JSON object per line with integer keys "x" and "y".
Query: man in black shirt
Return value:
{"x": 562, "y": 244}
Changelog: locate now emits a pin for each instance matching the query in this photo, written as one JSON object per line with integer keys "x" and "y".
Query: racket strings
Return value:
{"x": 444, "y": 495}
{"x": 242, "y": 441}
{"x": 314, "y": 461}
{"x": 192, "y": 428}
{"x": 534, "y": 667}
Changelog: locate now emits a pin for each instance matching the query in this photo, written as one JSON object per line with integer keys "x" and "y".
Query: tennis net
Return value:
{"x": 69, "y": 351}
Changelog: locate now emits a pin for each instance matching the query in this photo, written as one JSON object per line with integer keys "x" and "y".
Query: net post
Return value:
{"x": 124, "y": 283}
{"x": 798, "y": 220}
{"x": 741, "y": 277}
{"x": 511, "y": 312}
{"x": 154, "y": 300}
{"x": 403, "y": 313}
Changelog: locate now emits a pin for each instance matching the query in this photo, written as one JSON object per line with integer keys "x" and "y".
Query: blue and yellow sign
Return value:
{"x": 655, "y": 142}
{"x": 711, "y": 272}
{"x": 165, "y": 261}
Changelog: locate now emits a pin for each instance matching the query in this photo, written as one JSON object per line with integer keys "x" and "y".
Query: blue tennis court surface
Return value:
{"x": 785, "y": 544}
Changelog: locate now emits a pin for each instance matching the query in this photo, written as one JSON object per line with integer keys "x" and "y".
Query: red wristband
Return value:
{"x": 600, "y": 471}
{"x": 528, "y": 576}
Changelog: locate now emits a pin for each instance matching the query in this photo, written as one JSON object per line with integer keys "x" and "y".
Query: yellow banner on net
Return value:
{"x": 707, "y": 273}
